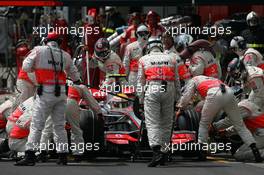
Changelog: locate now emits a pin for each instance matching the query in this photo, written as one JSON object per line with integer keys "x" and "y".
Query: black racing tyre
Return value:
{"x": 195, "y": 118}
{"x": 93, "y": 133}
{"x": 4, "y": 146}
{"x": 184, "y": 122}
{"x": 189, "y": 120}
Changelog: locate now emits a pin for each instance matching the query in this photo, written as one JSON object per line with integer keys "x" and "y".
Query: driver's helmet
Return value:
{"x": 118, "y": 102}
{"x": 102, "y": 49}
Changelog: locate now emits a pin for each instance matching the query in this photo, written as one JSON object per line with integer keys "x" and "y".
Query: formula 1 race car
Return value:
{"x": 122, "y": 131}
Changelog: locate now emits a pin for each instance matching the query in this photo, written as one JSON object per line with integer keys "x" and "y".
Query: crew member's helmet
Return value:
{"x": 182, "y": 41}
{"x": 238, "y": 43}
{"x": 154, "y": 42}
{"x": 237, "y": 69}
{"x": 252, "y": 19}
{"x": 143, "y": 32}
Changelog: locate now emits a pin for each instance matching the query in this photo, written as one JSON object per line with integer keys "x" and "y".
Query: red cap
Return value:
{"x": 92, "y": 12}
{"x": 52, "y": 36}
{"x": 22, "y": 51}
{"x": 152, "y": 14}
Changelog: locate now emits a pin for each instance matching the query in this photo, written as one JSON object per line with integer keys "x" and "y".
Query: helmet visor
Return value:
{"x": 143, "y": 33}
{"x": 103, "y": 54}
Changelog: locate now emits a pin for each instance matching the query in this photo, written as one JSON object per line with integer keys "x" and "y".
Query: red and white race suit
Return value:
{"x": 204, "y": 63}
{"x": 252, "y": 111}
{"x": 40, "y": 61}
{"x": 184, "y": 73}
{"x": 214, "y": 101}
{"x": 129, "y": 36}
{"x": 112, "y": 65}
{"x": 133, "y": 53}
{"x": 158, "y": 87}
{"x": 26, "y": 86}
{"x": 76, "y": 93}
{"x": 252, "y": 57}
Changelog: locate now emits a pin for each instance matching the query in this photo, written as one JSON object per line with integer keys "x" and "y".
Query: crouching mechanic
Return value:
{"x": 251, "y": 109}
{"x": 217, "y": 96}
{"x": 18, "y": 125}
{"x": 51, "y": 64}
{"x": 158, "y": 75}
{"x": 17, "y": 136}
{"x": 76, "y": 93}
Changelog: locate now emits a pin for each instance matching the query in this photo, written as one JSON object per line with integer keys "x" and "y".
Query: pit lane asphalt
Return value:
{"x": 214, "y": 166}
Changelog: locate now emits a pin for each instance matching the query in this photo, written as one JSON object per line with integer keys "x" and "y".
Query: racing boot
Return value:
{"x": 62, "y": 160}
{"x": 256, "y": 153}
{"x": 202, "y": 154}
{"x": 157, "y": 157}
{"x": 77, "y": 158}
{"x": 29, "y": 159}
{"x": 43, "y": 156}
{"x": 164, "y": 158}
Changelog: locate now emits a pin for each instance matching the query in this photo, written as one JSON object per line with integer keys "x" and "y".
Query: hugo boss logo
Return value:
{"x": 55, "y": 62}
{"x": 159, "y": 63}
{"x": 23, "y": 108}
{"x": 210, "y": 61}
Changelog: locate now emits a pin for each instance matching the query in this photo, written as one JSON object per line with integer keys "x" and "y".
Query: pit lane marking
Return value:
{"x": 259, "y": 165}
{"x": 222, "y": 160}
{"x": 218, "y": 159}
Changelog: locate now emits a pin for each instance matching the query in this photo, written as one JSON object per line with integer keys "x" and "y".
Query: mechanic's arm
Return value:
{"x": 71, "y": 70}
{"x": 177, "y": 81}
{"x": 257, "y": 86}
{"x": 124, "y": 37}
{"x": 187, "y": 95}
{"x": 126, "y": 61}
{"x": 29, "y": 62}
{"x": 141, "y": 81}
{"x": 196, "y": 67}
{"x": 92, "y": 103}
{"x": 93, "y": 63}
{"x": 115, "y": 67}
{"x": 32, "y": 78}
{"x": 219, "y": 70}
{"x": 114, "y": 64}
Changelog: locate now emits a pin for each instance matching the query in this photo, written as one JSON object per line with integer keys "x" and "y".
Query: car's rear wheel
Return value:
{"x": 93, "y": 133}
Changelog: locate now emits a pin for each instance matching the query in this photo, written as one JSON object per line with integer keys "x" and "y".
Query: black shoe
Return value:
{"x": 164, "y": 159}
{"x": 256, "y": 153}
{"x": 202, "y": 154}
{"x": 43, "y": 156}
{"x": 29, "y": 159}
{"x": 77, "y": 158}
{"x": 157, "y": 157}
{"x": 62, "y": 159}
